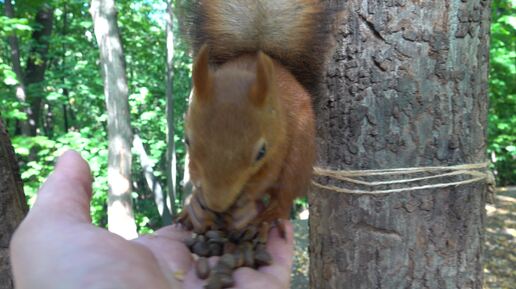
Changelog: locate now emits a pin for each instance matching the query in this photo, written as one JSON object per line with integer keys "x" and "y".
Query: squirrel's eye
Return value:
{"x": 187, "y": 142}
{"x": 261, "y": 153}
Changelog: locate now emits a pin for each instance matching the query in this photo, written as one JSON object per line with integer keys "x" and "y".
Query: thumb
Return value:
{"x": 282, "y": 252}
{"x": 66, "y": 194}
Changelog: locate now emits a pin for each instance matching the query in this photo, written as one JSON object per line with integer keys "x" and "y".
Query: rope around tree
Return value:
{"x": 476, "y": 173}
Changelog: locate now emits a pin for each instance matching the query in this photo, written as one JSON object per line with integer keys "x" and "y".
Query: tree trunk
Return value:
{"x": 186, "y": 183}
{"x": 407, "y": 87}
{"x": 13, "y": 206}
{"x": 171, "y": 147}
{"x": 37, "y": 64}
{"x": 120, "y": 207}
{"x": 152, "y": 183}
{"x": 21, "y": 92}
{"x": 67, "y": 120}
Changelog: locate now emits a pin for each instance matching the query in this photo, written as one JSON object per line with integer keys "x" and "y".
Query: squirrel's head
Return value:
{"x": 233, "y": 127}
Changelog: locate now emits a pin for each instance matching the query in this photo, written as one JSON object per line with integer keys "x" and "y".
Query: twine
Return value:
{"x": 476, "y": 172}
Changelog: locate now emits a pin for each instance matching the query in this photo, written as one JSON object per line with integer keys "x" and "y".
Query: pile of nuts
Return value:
{"x": 237, "y": 248}
{"x": 221, "y": 234}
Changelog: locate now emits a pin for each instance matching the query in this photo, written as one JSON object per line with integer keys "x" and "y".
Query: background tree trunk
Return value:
{"x": 21, "y": 92}
{"x": 151, "y": 180}
{"x": 407, "y": 87}
{"x": 13, "y": 206}
{"x": 186, "y": 182}
{"x": 171, "y": 148}
{"x": 37, "y": 64}
{"x": 68, "y": 113}
{"x": 120, "y": 207}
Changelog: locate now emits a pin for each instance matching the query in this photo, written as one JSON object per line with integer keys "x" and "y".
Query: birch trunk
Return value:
{"x": 120, "y": 206}
{"x": 171, "y": 148}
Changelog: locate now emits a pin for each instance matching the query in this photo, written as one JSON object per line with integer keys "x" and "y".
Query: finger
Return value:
{"x": 276, "y": 275}
{"x": 66, "y": 194}
{"x": 282, "y": 252}
{"x": 192, "y": 280}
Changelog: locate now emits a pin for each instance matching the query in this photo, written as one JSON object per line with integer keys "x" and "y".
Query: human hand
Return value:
{"x": 56, "y": 246}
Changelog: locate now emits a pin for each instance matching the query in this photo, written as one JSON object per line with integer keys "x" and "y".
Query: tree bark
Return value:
{"x": 171, "y": 147}
{"x": 13, "y": 205}
{"x": 406, "y": 87}
{"x": 120, "y": 207}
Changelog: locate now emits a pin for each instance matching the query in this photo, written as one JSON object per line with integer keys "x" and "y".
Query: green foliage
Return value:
{"x": 10, "y": 26}
{"x": 502, "y": 117}
{"x": 73, "y": 105}
{"x": 91, "y": 144}
{"x": 17, "y": 26}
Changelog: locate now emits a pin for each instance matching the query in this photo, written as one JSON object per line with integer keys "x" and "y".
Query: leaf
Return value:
{"x": 148, "y": 115}
{"x": 10, "y": 77}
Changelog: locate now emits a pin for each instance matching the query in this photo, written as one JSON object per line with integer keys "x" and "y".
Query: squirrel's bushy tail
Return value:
{"x": 294, "y": 32}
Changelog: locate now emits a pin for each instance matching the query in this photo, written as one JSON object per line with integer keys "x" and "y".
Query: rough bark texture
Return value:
{"x": 406, "y": 87}
{"x": 13, "y": 206}
{"x": 120, "y": 207}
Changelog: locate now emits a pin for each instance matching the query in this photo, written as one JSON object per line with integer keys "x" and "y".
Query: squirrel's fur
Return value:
{"x": 250, "y": 125}
{"x": 293, "y": 32}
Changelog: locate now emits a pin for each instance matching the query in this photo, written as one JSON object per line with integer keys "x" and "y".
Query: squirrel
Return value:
{"x": 250, "y": 128}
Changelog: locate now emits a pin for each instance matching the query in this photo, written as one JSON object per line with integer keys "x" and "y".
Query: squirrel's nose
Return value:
{"x": 216, "y": 206}
{"x": 220, "y": 198}
{"x": 216, "y": 201}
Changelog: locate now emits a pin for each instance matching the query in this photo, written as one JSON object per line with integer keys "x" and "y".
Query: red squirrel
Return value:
{"x": 250, "y": 125}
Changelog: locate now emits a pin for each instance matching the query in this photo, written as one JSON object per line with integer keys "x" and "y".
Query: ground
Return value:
{"x": 301, "y": 259}
{"x": 499, "y": 250}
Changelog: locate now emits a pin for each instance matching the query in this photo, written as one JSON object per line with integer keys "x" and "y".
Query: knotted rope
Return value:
{"x": 476, "y": 173}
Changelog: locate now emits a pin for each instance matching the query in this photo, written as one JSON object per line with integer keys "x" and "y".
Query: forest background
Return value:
{"x": 65, "y": 105}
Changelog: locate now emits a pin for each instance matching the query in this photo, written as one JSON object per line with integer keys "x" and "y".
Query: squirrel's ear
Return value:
{"x": 201, "y": 74}
{"x": 264, "y": 79}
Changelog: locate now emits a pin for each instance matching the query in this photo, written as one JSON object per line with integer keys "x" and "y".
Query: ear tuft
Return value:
{"x": 201, "y": 74}
{"x": 264, "y": 79}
